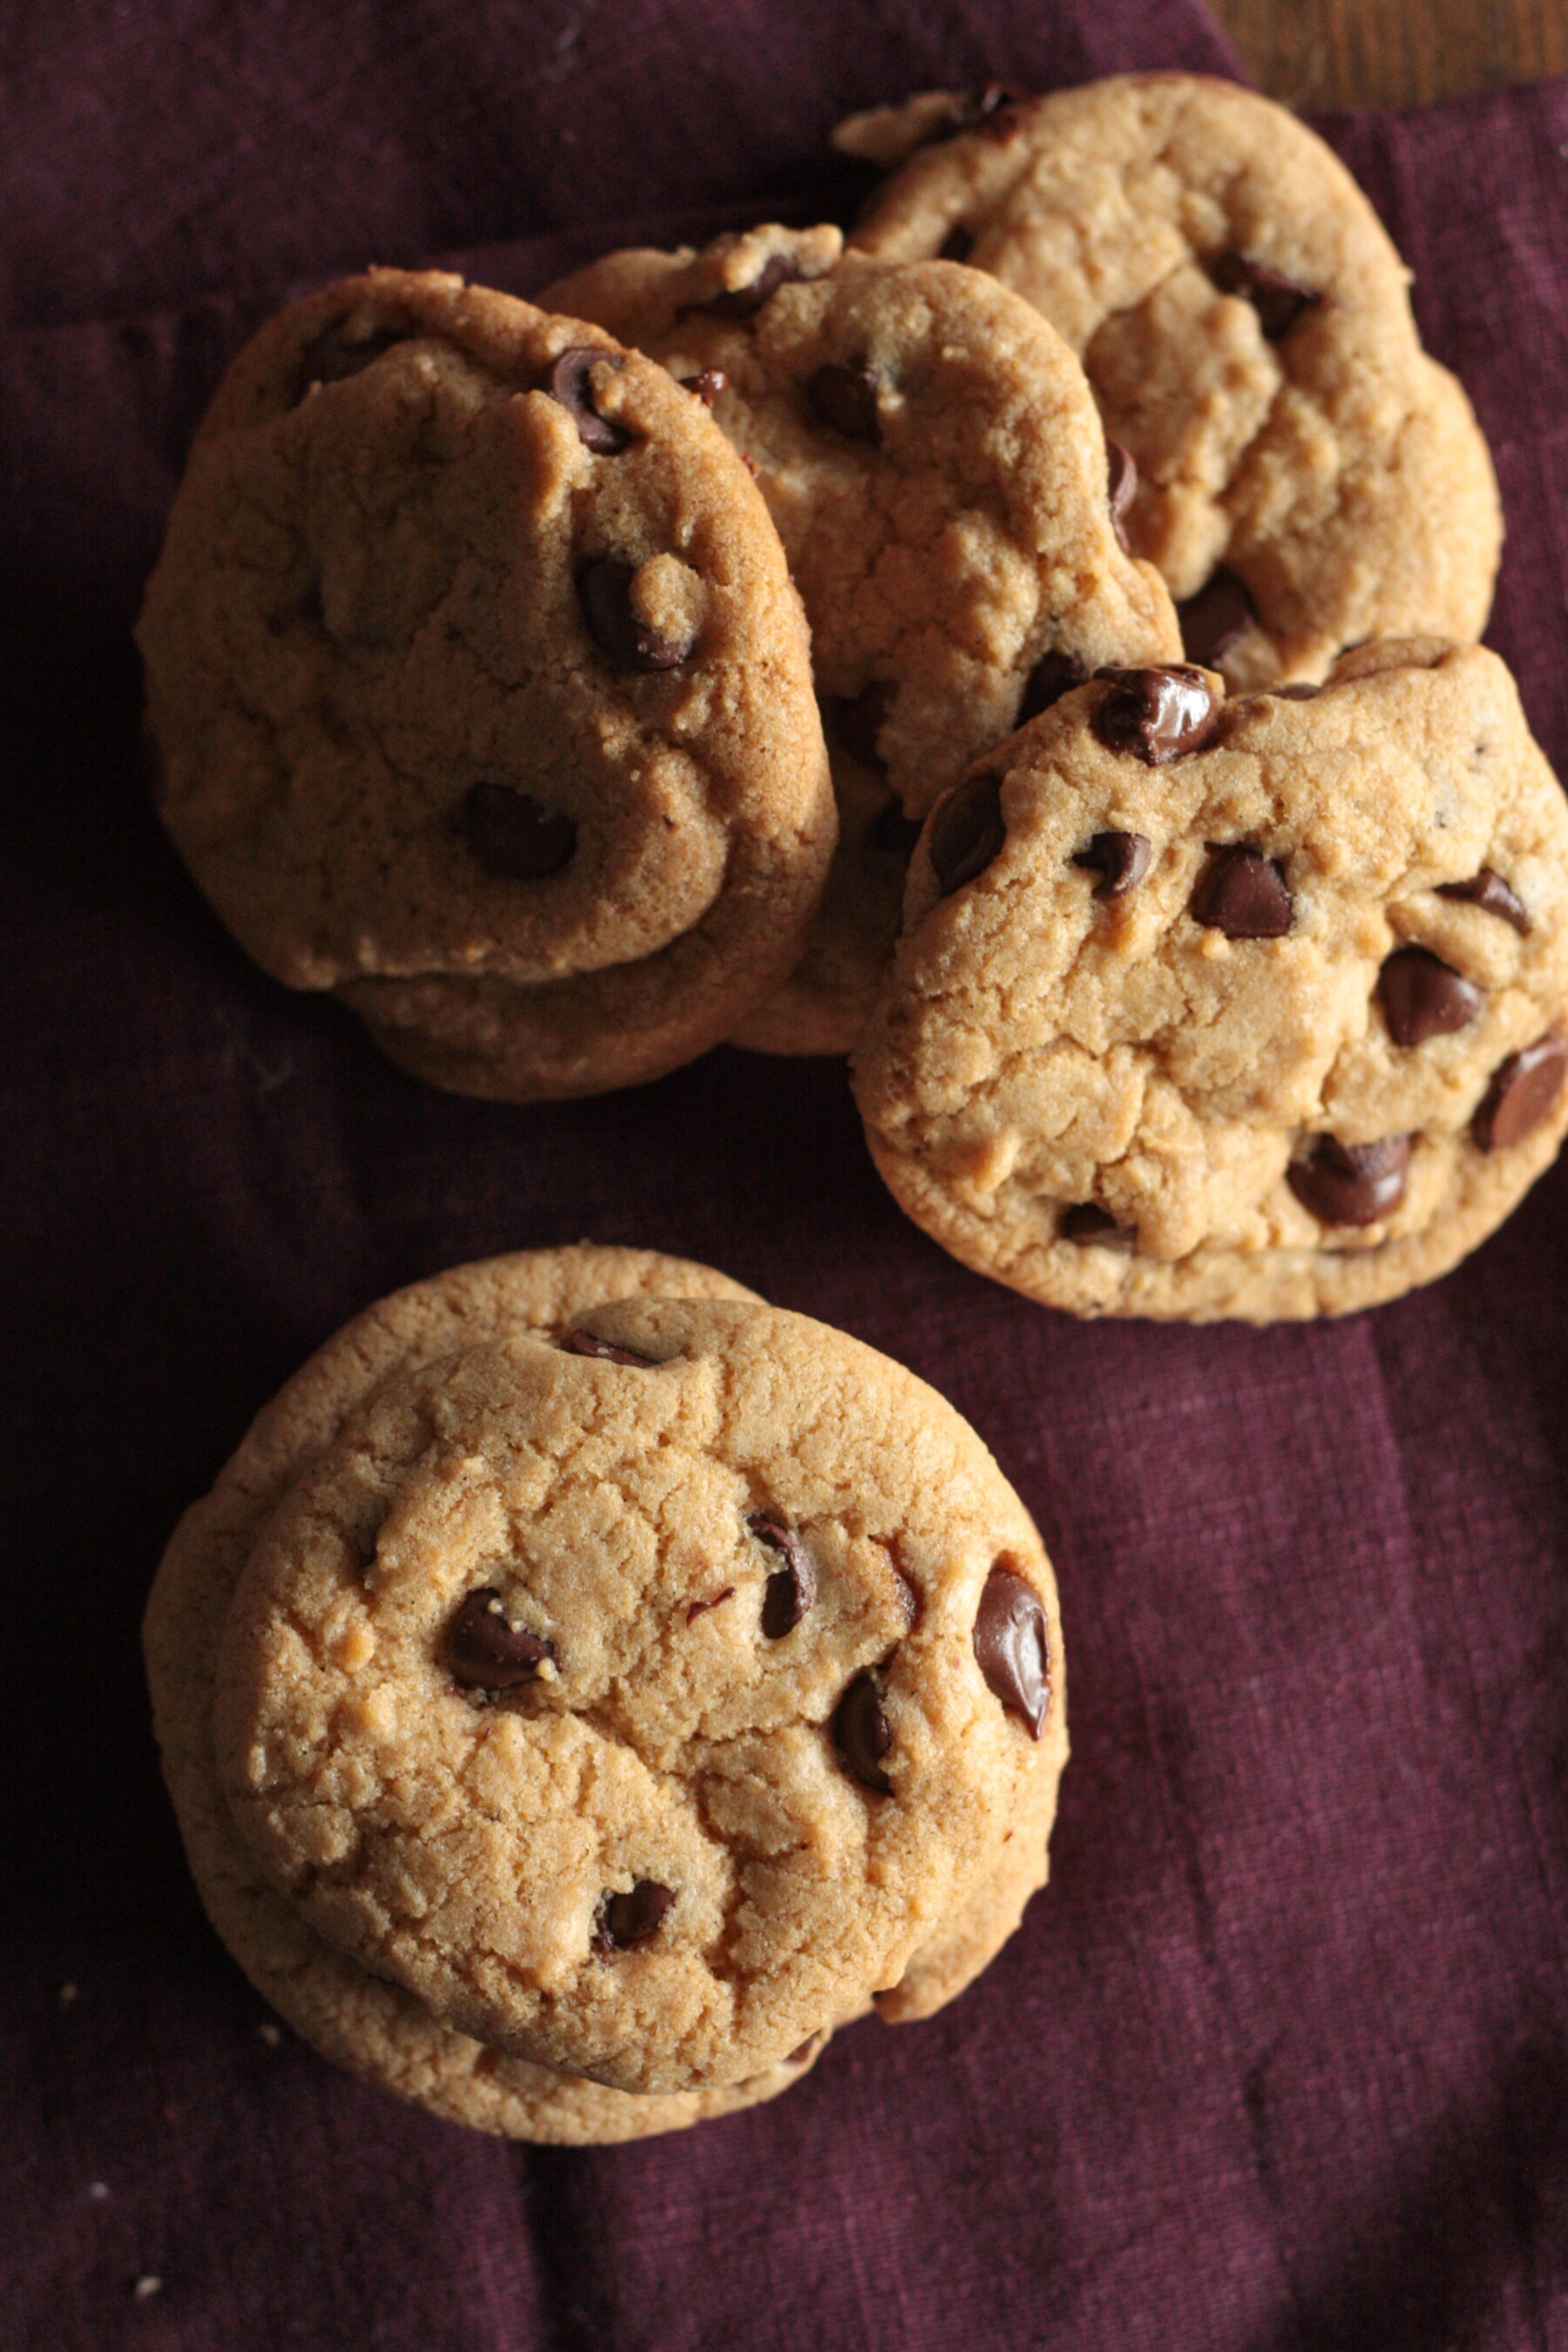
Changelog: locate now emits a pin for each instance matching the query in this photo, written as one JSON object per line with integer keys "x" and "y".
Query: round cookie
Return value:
{"x": 375, "y": 2030}
{"x": 1306, "y": 476}
{"x": 1253, "y": 1008}
{"x": 643, "y": 1701}
{"x": 480, "y": 692}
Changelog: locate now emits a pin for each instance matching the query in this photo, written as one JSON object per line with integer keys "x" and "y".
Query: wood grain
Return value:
{"x": 1322, "y": 54}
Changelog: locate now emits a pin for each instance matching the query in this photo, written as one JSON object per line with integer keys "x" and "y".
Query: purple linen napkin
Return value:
{"x": 1280, "y": 2062}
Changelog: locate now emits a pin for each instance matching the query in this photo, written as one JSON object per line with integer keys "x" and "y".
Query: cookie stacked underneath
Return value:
{"x": 579, "y": 1701}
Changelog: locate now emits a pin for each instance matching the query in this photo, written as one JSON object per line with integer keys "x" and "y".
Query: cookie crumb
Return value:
{"x": 97, "y": 2190}
{"x": 68, "y": 1994}
{"x": 146, "y": 2287}
{"x": 270, "y": 2033}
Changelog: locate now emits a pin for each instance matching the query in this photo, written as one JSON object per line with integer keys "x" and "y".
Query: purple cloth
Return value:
{"x": 1280, "y": 2062}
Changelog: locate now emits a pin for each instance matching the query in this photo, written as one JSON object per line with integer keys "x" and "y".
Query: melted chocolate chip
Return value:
{"x": 1088, "y": 1223}
{"x": 1122, "y": 490}
{"x": 1523, "y": 1092}
{"x": 957, "y": 245}
{"x": 745, "y": 301}
{"x": 484, "y": 1652}
{"x": 1489, "y": 889}
{"x": 1243, "y": 894}
{"x": 1121, "y": 859}
{"x": 568, "y": 383}
{"x": 861, "y": 1732}
{"x": 792, "y": 1589}
{"x": 1424, "y": 997}
{"x": 906, "y": 1593}
{"x": 1351, "y": 1183}
{"x": 966, "y": 833}
{"x": 846, "y": 398}
{"x": 1278, "y": 300}
{"x": 1053, "y": 675}
{"x": 699, "y": 1608}
{"x": 630, "y": 1918}
{"x": 513, "y": 835}
{"x": 336, "y": 355}
{"x": 1011, "y": 1648}
{"x": 605, "y": 593}
{"x": 583, "y": 1343}
{"x": 1156, "y": 714}
{"x": 1215, "y": 618}
{"x": 705, "y": 387}
{"x": 894, "y": 832}
{"x": 856, "y": 721}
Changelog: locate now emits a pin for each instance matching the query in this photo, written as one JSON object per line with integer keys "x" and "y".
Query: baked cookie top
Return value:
{"x": 473, "y": 658}
{"x": 933, "y": 462}
{"x": 641, "y": 1701}
{"x": 1250, "y": 1008}
{"x": 1307, "y": 478}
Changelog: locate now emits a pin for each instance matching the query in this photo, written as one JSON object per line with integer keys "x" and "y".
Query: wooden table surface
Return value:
{"x": 1321, "y": 53}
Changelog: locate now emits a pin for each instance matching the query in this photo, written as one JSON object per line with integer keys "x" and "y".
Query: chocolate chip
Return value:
{"x": 846, "y": 398}
{"x": 513, "y": 835}
{"x": 976, "y": 109}
{"x": 1156, "y": 714}
{"x": 568, "y": 383}
{"x": 906, "y": 1593}
{"x": 1215, "y": 618}
{"x": 967, "y": 831}
{"x": 803, "y": 2050}
{"x": 1522, "y": 1091}
{"x": 894, "y": 832}
{"x": 856, "y": 721}
{"x": 1489, "y": 889}
{"x": 1243, "y": 894}
{"x": 625, "y": 1919}
{"x": 484, "y": 1652}
{"x": 861, "y": 1733}
{"x": 1053, "y": 675}
{"x": 1011, "y": 1648}
{"x": 583, "y": 1343}
{"x": 1122, "y": 859}
{"x": 705, "y": 387}
{"x": 1300, "y": 693}
{"x": 1424, "y": 997}
{"x": 957, "y": 245}
{"x": 790, "y": 1590}
{"x": 745, "y": 301}
{"x": 1351, "y": 1183}
{"x": 1123, "y": 489}
{"x": 336, "y": 355}
{"x": 1278, "y": 300}
{"x": 699, "y": 1608}
{"x": 605, "y": 593}
{"x": 1088, "y": 1223}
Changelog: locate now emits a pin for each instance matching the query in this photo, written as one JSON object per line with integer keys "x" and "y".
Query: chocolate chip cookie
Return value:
{"x": 481, "y": 693}
{"x": 1254, "y": 1007}
{"x": 643, "y": 1697}
{"x": 1307, "y": 478}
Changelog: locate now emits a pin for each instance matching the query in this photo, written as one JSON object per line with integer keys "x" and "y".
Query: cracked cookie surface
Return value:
{"x": 639, "y": 1703}
{"x": 1306, "y": 476}
{"x": 480, "y": 692}
{"x": 1253, "y": 1008}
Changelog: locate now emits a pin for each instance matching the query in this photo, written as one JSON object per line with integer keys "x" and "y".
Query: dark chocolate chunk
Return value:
{"x": 583, "y": 1343}
{"x": 1090, "y": 1223}
{"x": 861, "y": 1732}
{"x": 1243, "y": 894}
{"x": 1011, "y": 1647}
{"x": 1120, "y": 859}
{"x": 484, "y": 1652}
{"x": 1489, "y": 889}
{"x": 336, "y": 355}
{"x": 1054, "y": 675}
{"x": 1157, "y": 714}
{"x": 1424, "y": 997}
{"x": 957, "y": 245}
{"x": 1215, "y": 618}
{"x": 790, "y": 1590}
{"x": 1351, "y": 1183}
{"x": 1278, "y": 300}
{"x": 846, "y": 398}
{"x": 568, "y": 383}
{"x": 605, "y": 593}
{"x": 855, "y": 721}
{"x": 894, "y": 832}
{"x": 1123, "y": 489}
{"x": 513, "y": 835}
{"x": 630, "y": 1918}
{"x": 966, "y": 833}
{"x": 1521, "y": 1094}
{"x": 705, "y": 387}
{"x": 745, "y": 301}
